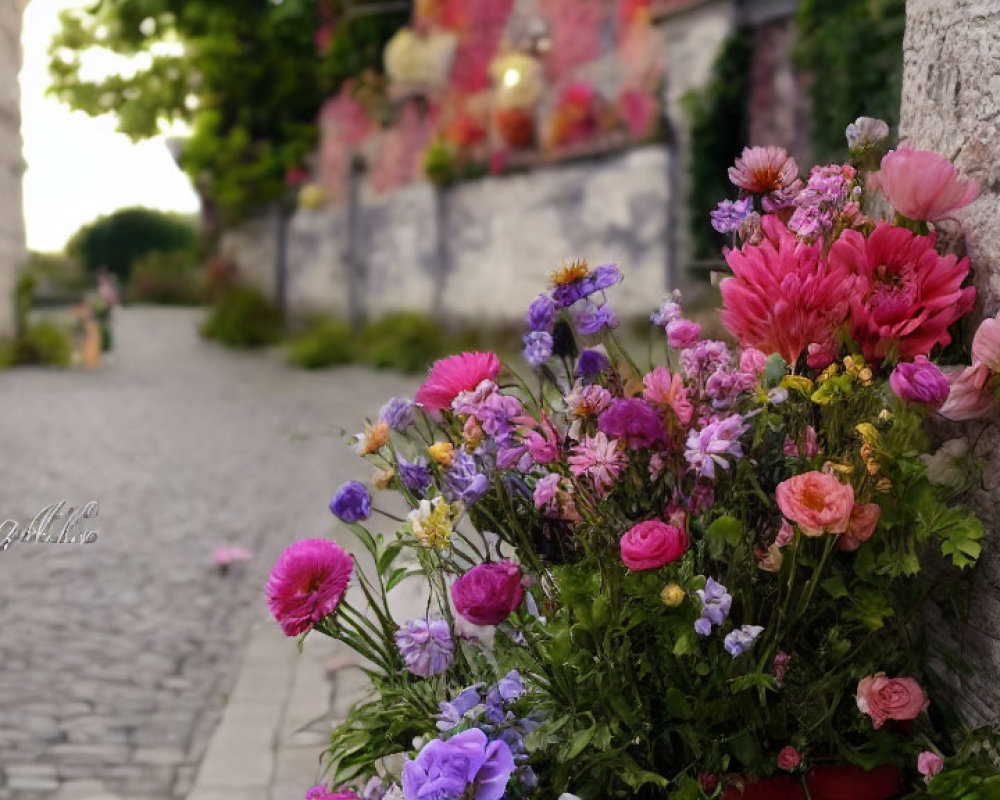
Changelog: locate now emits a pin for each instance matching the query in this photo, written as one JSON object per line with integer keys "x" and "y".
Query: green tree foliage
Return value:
{"x": 718, "y": 135}
{"x": 247, "y": 76}
{"x": 118, "y": 240}
{"x": 853, "y": 50}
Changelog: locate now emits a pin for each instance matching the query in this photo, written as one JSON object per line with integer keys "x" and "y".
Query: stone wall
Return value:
{"x": 951, "y": 104}
{"x": 12, "y": 250}
{"x": 481, "y": 250}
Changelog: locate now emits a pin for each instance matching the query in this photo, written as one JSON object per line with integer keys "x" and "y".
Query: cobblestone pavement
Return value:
{"x": 116, "y": 656}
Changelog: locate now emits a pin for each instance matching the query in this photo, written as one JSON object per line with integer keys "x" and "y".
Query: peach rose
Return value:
{"x": 861, "y": 526}
{"x": 884, "y": 698}
{"x": 818, "y": 502}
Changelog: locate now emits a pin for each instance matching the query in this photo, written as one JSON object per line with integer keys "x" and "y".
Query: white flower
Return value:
{"x": 946, "y": 467}
{"x": 866, "y": 132}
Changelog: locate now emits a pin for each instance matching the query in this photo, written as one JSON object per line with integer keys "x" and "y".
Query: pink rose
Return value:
{"x": 488, "y": 593}
{"x": 929, "y": 764}
{"x": 788, "y": 758}
{"x": 652, "y": 544}
{"x": 861, "y": 526}
{"x": 884, "y": 698}
{"x": 818, "y": 502}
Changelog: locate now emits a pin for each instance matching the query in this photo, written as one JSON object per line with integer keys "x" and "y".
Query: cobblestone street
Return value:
{"x": 117, "y": 656}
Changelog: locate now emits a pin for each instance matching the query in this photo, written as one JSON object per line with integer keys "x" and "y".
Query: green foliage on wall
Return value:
{"x": 118, "y": 240}
{"x": 853, "y": 50}
{"x": 718, "y": 134}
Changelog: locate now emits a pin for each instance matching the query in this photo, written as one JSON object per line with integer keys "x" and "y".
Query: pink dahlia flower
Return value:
{"x": 599, "y": 458}
{"x": 783, "y": 297}
{"x": 818, "y": 502}
{"x": 906, "y": 295}
{"x": 884, "y": 698}
{"x": 986, "y": 344}
{"x": 969, "y": 397}
{"x": 451, "y": 376}
{"x": 307, "y": 583}
{"x": 664, "y": 389}
{"x": 762, "y": 170}
{"x": 923, "y": 185}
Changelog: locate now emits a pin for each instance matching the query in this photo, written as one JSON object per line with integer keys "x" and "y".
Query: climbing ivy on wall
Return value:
{"x": 718, "y": 117}
{"x": 853, "y": 52}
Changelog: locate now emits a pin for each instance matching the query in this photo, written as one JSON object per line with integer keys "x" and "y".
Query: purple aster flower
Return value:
{"x": 706, "y": 448}
{"x": 375, "y": 789}
{"x": 451, "y": 713}
{"x": 541, "y": 314}
{"x": 463, "y": 480}
{"x": 466, "y": 765}
{"x": 415, "y": 475}
{"x": 397, "y": 413}
{"x": 426, "y": 646}
{"x": 739, "y": 641}
{"x": 601, "y": 278}
{"x": 538, "y": 347}
{"x": 510, "y": 686}
{"x": 704, "y": 358}
{"x": 668, "y": 311}
{"x": 352, "y": 503}
{"x": 634, "y": 420}
{"x": 715, "y": 605}
{"x": 729, "y": 215}
{"x": 591, "y": 318}
{"x": 591, "y": 364}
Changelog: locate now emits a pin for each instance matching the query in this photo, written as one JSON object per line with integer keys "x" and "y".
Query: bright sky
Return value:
{"x": 78, "y": 167}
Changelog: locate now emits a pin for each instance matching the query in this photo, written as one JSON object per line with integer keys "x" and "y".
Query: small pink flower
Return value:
{"x": 923, "y": 185}
{"x": 818, "y": 502}
{"x": 919, "y": 383}
{"x": 682, "y": 333}
{"x": 986, "y": 344}
{"x": 884, "y": 698}
{"x": 456, "y": 374}
{"x": 780, "y": 665}
{"x": 969, "y": 397}
{"x": 665, "y": 389}
{"x": 546, "y": 490}
{"x": 862, "y": 524}
{"x": 788, "y": 758}
{"x": 763, "y": 170}
{"x": 488, "y": 593}
{"x": 785, "y": 534}
{"x": 753, "y": 361}
{"x": 929, "y": 764}
{"x": 599, "y": 458}
{"x": 544, "y": 446}
{"x": 308, "y": 582}
{"x": 652, "y": 544}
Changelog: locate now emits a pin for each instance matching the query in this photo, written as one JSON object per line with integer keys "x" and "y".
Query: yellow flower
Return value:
{"x": 868, "y": 432}
{"x": 828, "y": 373}
{"x": 441, "y": 452}
{"x": 431, "y": 522}
{"x": 373, "y": 439}
{"x": 800, "y": 383}
{"x": 573, "y": 271}
{"x": 883, "y": 485}
{"x": 865, "y": 376}
{"x": 672, "y": 595}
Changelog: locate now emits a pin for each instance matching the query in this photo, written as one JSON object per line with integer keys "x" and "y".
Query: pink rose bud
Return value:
{"x": 488, "y": 593}
{"x": 884, "y": 698}
{"x": 682, "y": 333}
{"x": 788, "y": 758}
{"x": 652, "y": 544}
{"x": 929, "y": 764}
{"x": 753, "y": 361}
{"x": 819, "y": 503}
{"x": 920, "y": 383}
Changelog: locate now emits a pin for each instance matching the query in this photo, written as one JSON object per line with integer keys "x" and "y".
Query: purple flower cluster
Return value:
{"x": 739, "y": 641}
{"x": 634, "y": 420}
{"x": 601, "y": 278}
{"x": 591, "y": 364}
{"x": 668, "y": 311}
{"x": 591, "y": 318}
{"x": 703, "y": 358}
{"x": 352, "y": 503}
{"x": 538, "y": 347}
{"x": 715, "y": 605}
{"x": 415, "y": 475}
{"x": 468, "y": 765}
{"x": 463, "y": 480}
{"x": 426, "y": 646}
{"x": 542, "y": 314}
{"x": 397, "y": 413}
{"x": 496, "y": 413}
{"x": 729, "y": 214}
{"x": 706, "y": 447}
{"x": 816, "y": 206}
{"x": 723, "y": 387}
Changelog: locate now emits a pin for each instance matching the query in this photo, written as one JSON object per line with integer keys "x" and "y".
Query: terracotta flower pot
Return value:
{"x": 837, "y": 782}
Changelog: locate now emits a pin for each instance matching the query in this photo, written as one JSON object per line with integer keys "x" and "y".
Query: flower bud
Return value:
{"x": 441, "y": 452}
{"x": 672, "y": 595}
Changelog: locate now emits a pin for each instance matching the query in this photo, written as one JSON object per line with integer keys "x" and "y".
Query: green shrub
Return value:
{"x": 43, "y": 343}
{"x": 166, "y": 278}
{"x": 59, "y": 280}
{"x": 407, "y": 342}
{"x": 324, "y": 343}
{"x": 244, "y": 317}
{"x": 119, "y": 240}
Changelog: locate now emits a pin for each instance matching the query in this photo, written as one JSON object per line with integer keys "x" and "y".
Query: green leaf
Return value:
{"x": 365, "y": 538}
{"x": 725, "y": 531}
{"x": 834, "y": 587}
{"x": 387, "y": 554}
{"x": 775, "y": 368}
{"x": 754, "y": 680}
{"x": 677, "y": 704}
{"x": 398, "y": 575}
{"x": 578, "y": 743}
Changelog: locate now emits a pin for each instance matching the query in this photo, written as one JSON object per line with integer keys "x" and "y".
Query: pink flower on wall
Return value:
{"x": 402, "y": 148}
{"x": 923, "y": 185}
{"x": 575, "y": 28}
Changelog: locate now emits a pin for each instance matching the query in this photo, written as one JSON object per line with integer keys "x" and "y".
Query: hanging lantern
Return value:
{"x": 518, "y": 80}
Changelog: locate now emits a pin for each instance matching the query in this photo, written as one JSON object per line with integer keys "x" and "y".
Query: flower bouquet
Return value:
{"x": 705, "y": 577}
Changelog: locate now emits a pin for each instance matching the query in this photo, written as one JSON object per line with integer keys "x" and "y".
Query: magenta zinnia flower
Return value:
{"x": 600, "y": 459}
{"x": 906, "y": 295}
{"x": 455, "y": 374}
{"x": 783, "y": 297}
{"x": 307, "y": 583}
{"x": 921, "y": 184}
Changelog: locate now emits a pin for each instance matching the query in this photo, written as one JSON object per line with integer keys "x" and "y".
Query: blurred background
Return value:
{"x": 364, "y": 185}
